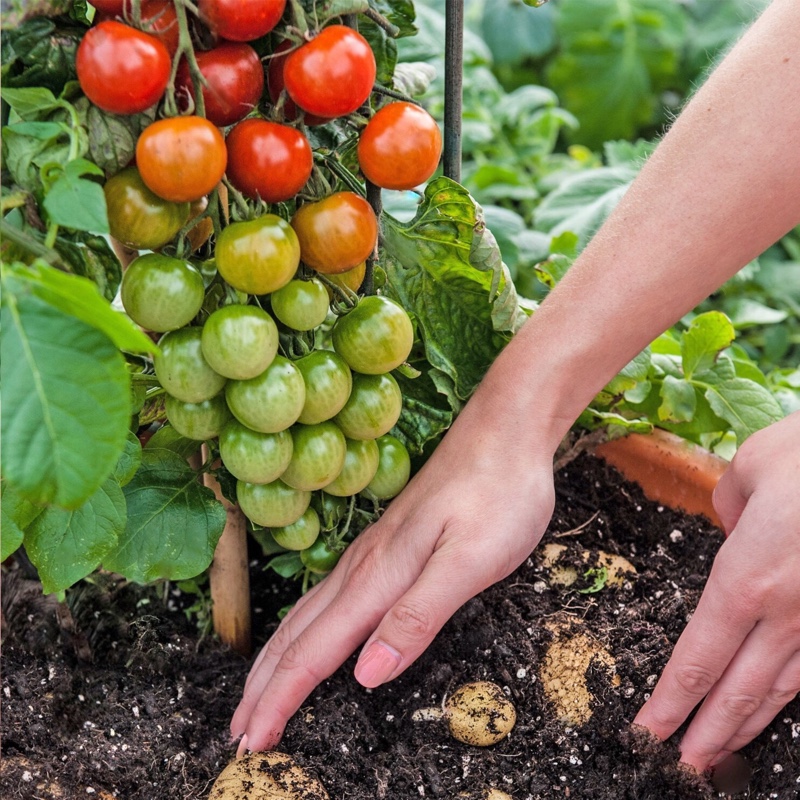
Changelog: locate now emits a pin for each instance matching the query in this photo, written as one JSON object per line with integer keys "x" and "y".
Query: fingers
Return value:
{"x": 728, "y": 500}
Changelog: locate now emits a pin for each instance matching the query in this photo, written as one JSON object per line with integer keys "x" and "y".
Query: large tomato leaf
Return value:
{"x": 66, "y": 404}
{"x": 65, "y": 546}
{"x": 445, "y": 268}
{"x": 174, "y": 522}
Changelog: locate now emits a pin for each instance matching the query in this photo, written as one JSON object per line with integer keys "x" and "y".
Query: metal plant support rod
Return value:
{"x": 453, "y": 83}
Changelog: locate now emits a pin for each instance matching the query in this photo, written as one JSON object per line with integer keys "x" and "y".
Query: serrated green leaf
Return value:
{"x": 80, "y": 298}
{"x": 701, "y": 343}
{"x": 66, "y": 403}
{"x": 678, "y": 400}
{"x": 426, "y": 413}
{"x": 65, "y": 546}
{"x": 174, "y": 522}
{"x": 744, "y": 405}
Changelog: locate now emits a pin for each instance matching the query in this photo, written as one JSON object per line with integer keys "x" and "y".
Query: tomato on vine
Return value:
{"x": 182, "y": 370}
{"x": 400, "y": 146}
{"x": 120, "y": 69}
{"x": 235, "y": 81}
{"x": 350, "y": 279}
{"x": 161, "y": 293}
{"x": 328, "y": 383}
{"x": 276, "y": 85}
{"x": 373, "y": 407}
{"x": 360, "y": 466}
{"x": 317, "y": 457}
{"x": 336, "y": 233}
{"x": 267, "y": 160}
{"x": 272, "y": 504}
{"x": 258, "y": 256}
{"x": 374, "y": 337}
{"x": 158, "y": 19}
{"x": 253, "y": 456}
{"x": 301, "y": 305}
{"x": 181, "y": 158}
{"x": 139, "y": 218}
{"x": 299, "y": 535}
{"x": 241, "y": 20}
{"x": 394, "y": 468}
{"x": 199, "y": 421}
{"x": 333, "y": 74}
{"x": 320, "y": 558}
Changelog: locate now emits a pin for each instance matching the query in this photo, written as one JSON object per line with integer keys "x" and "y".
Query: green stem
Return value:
{"x": 341, "y": 172}
{"x": 52, "y": 233}
{"x": 393, "y": 93}
{"x": 14, "y": 200}
{"x": 30, "y": 244}
{"x": 238, "y": 198}
{"x": 392, "y": 30}
{"x": 185, "y": 48}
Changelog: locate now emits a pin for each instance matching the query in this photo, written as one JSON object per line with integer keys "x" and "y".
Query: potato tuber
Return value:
{"x": 266, "y": 776}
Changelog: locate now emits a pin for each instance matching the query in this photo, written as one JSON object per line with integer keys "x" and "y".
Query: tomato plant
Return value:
{"x": 270, "y": 402}
{"x": 241, "y": 20}
{"x": 400, "y": 146}
{"x": 239, "y": 341}
{"x": 394, "y": 468}
{"x": 182, "y": 370}
{"x": 252, "y": 456}
{"x": 301, "y": 305}
{"x": 350, "y": 279}
{"x": 120, "y": 69}
{"x": 139, "y": 218}
{"x": 234, "y": 77}
{"x": 328, "y": 382}
{"x": 375, "y": 337}
{"x": 273, "y": 504}
{"x": 276, "y": 84}
{"x": 319, "y": 558}
{"x": 317, "y": 457}
{"x": 181, "y": 158}
{"x": 258, "y": 256}
{"x": 299, "y": 535}
{"x": 267, "y": 160}
{"x": 333, "y": 74}
{"x": 373, "y": 407}
{"x": 161, "y": 293}
{"x": 158, "y": 19}
{"x": 200, "y": 421}
{"x": 360, "y": 466}
{"x": 337, "y": 233}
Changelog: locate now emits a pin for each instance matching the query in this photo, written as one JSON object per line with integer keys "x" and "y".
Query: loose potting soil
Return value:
{"x": 114, "y": 694}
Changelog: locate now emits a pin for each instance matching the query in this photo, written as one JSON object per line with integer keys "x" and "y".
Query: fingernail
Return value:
{"x": 719, "y": 758}
{"x": 377, "y": 664}
{"x": 242, "y": 749}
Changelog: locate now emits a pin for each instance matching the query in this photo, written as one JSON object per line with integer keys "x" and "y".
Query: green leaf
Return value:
{"x": 702, "y": 342}
{"x": 746, "y": 406}
{"x": 384, "y": 48}
{"x": 65, "y": 546}
{"x": 678, "y": 400}
{"x": 414, "y": 78}
{"x": 15, "y": 12}
{"x": 515, "y": 32}
{"x": 614, "y": 60}
{"x": 744, "y": 312}
{"x": 30, "y": 102}
{"x": 29, "y": 145}
{"x": 66, "y": 403}
{"x": 77, "y": 203}
{"x": 129, "y": 460}
{"x": 426, "y": 413}
{"x": 174, "y": 522}
{"x": 399, "y": 12}
{"x": 91, "y": 257}
{"x": 444, "y": 267}
{"x": 80, "y": 298}
{"x": 287, "y": 565}
{"x": 583, "y": 201}
{"x": 112, "y": 137}
{"x": 167, "y": 438}
{"x": 16, "y": 513}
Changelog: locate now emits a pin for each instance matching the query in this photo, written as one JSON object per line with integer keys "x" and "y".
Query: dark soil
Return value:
{"x": 114, "y": 695}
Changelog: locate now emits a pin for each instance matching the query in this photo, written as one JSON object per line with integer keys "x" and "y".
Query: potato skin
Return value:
{"x": 480, "y": 714}
{"x": 266, "y": 776}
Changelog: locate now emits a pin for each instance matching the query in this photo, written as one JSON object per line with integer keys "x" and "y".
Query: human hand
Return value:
{"x": 741, "y": 648}
{"x": 469, "y": 518}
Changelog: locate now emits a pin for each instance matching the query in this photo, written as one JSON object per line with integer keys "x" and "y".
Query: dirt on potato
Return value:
{"x": 116, "y": 695}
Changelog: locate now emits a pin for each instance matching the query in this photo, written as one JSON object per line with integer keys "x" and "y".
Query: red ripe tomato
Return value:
{"x": 241, "y": 20}
{"x": 268, "y": 160}
{"x": 181, "y": 158}
{"x": 400, "y": 147}
{"x": 333, "y": 74}
{"x": 275, "y": 85}
{"x": 120, "y": 69}
{"x": 158, "y": 18}
{"x": 235, "y": 82}
{"x": 337, "y": 233}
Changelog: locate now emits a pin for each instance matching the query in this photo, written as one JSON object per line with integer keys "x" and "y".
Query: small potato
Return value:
{"x": 479, "y": 714}
{"x": 266, "y": 776}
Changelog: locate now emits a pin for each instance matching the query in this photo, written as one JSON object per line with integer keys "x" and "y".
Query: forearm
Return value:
{"x": 722, "y": 186}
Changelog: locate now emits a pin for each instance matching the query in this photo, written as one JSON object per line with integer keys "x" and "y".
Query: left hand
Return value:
{"x": 740, "y": 652}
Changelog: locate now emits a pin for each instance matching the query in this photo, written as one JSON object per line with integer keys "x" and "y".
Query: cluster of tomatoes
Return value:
{"x": 289, "y": 420}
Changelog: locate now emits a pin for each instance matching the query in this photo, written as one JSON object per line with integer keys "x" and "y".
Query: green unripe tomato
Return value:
{"x": 360, "y": 466}
{"x": 328, "y": 383}
{"x": 301, "y": 305}
{"x": 273, "y": 505}
{"x": 252, "y": 456}
{"x": 394, "y": 468}
{"x": 319, "y": 558}
{"x": 183, "y": 371}
{"x": 161, "y": 293}
{"x": 139, "y": 218}
{"x": 270, "y": 402}
{"x": 240, "y": 341}
{"x": 374, "y": 337}
{"x": 318, "y": 456}
{"x": 299, "y": 535}
{"x": 200, "y": 421}
{"x": 258, "y": 256}
{"x": 373, "y": 407}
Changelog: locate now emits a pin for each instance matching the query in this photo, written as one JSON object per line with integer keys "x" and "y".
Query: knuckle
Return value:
{"x": 738, "y": 707}
{"x": 779, "y": 696}
{"x": 281, "y": 640}
{"x": 412, "y": 621}
{"x": 694, "y": 680}
{"x": 297, "y": 662}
